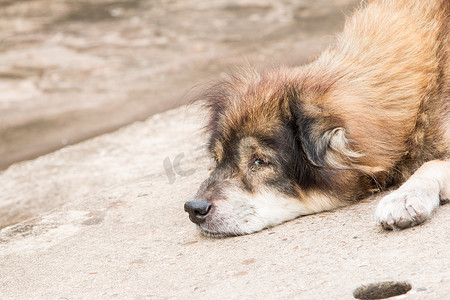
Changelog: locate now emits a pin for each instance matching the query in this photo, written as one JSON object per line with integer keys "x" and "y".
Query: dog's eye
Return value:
{"x": 257, "y": 164}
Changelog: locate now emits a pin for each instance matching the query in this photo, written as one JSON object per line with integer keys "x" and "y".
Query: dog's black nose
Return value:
{"x": 198, "y": 210}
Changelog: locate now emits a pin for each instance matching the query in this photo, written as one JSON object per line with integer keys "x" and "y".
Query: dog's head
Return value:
{"x": 277, "y": 157}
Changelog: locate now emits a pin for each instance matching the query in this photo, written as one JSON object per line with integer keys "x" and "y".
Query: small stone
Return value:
{"x": 248, "y": 261}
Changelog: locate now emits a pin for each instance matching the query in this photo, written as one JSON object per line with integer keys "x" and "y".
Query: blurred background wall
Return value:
{"x": 74, "y": 69}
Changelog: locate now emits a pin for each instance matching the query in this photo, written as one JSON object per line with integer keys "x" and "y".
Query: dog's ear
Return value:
{"x": 328, "y": 148}
{"x": 337, "y": 149}
{"x": 322, "y": 137}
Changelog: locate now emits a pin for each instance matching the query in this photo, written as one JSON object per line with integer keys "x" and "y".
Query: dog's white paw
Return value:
{"x": 408, "y": 206}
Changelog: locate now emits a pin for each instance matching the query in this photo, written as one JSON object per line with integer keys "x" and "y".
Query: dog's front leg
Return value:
{"x": 416, "y": 199}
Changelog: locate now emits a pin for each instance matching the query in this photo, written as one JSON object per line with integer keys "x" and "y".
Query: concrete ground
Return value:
{"x": 104, "y": 219}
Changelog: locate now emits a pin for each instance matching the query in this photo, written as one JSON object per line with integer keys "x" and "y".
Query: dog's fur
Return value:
{"x": 368, "y": 113}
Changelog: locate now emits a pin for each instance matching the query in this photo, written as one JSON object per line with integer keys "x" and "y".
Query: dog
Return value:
{"x": 371, "y": 112}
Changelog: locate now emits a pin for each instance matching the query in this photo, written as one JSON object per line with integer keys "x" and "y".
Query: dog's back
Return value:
{"x": 390, "y": 74}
